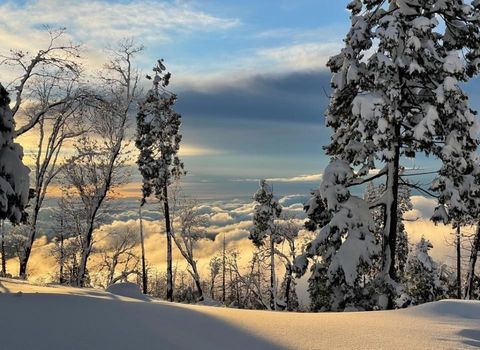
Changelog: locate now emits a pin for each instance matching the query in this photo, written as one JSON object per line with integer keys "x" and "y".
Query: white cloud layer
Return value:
{"x": 299, "y": 178}
{"x": 310, "y": 55}
{"x": 232, "y": 219}
{"x": 100, "y": 22}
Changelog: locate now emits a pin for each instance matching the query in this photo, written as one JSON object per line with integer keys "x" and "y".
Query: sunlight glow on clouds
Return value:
{"x": 302, "y": 56}
{"x": 299, "y": 178}
{"x": 229, "y": 218}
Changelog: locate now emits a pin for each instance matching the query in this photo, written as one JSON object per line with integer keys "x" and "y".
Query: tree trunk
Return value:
{"x": 111, "y": 272}
{"x": 142, "y": 243}
{"x": 4, "y": 260}
{"x": 33, "y": 232}
{"x": 230, "y": 272}
{"x": 223, "y": 269}
{"x": 27, "y": 250}
{"x": 288, "y": 286}
{"x": 471, "y": 264}
{"x": 391, "y": 217}
{"x": 168, "y": 230}
{"x": 459, "y": 263}
{"x": 273, "y": 296}
{"x": 212, "y": 286}
{"x": 22, "y": 273}
{"x": 87, "y": 246}
{"x": 196, "y": 278}
{"x": 62, "y": 257}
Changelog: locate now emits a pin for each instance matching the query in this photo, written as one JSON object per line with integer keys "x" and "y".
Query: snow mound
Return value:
{"x": 460, "y": 309}
{"x": 78, "y": 319}
{"x": 210, "y": 302}
{"x": 127, "y": 289}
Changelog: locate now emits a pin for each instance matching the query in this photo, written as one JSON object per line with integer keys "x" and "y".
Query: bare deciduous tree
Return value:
{"x": 98, "y": 165}
{"x": 118, "y": 257}
{"x": 55, "y": 129}
{"x": 288, "y": 230}
{"x": 188, "y": 228}
{"x": 248, "y": 288}
{"x": 94, "y": 171}
{"x": 215, "y": 265}
{"x": 57, "y": 61}
{"x": 70, "y": 219}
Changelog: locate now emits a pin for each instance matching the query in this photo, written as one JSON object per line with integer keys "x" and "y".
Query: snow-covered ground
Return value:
{"x": 53, "y": 317}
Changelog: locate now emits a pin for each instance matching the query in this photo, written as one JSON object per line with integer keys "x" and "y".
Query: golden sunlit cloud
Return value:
{"x": 187, "y": 150}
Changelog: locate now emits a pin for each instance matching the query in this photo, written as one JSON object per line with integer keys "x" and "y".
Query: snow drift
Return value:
{"x": 127, "y": 289}
{"x": 57, "y": 318}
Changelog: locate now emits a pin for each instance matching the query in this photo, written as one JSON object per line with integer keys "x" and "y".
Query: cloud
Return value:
{"x": 296, "y": 97}
{"x": 313, "y": 55}
{"x": 231, "y": 219}
{"x": 325, "y": 34}
{"x": 100, "y": 22}
{"x": 438, "y": 235}
{"x": 220, "y": 218}
{"x": 299, "y": 178}
{"x": 187, "y": 150}
{"x": 293, "y": 199}
{"x": 422, "y": 208}
{"x": 304, "y": 57}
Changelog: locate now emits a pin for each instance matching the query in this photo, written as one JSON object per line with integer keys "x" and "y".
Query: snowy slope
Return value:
{"x": 53, "y": 318}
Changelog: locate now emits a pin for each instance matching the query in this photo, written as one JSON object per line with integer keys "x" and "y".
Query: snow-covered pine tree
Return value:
{"x": 158, "y": 140}
{"x": 318, "y": 216}
{"x": 404, "y": 205}
{"x": 372, "y": 194}
{"x": 319, "y": 288}
{"x": 266, "y": 211}
{"x": 14, "y": 175}
{"x": 396, "y": 93}
{"x": 422, "y": 275}
{"x": 317, "y": 212}
{"x": 344, "y": 249}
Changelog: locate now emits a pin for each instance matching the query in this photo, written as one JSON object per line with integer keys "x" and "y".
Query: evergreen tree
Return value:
{"x": 318, "y": 216}
{"x": 423, "y": 275}
{"x": 396, "y": 92}
{"x": 14, "y": 175}
{"x": 289, "y": 286}
{"x": 372, "y": 194}
{"x": 317, "y": 212}
{"x": 319, "y": 288}
{"x": 344, "y": 249}
{"x": 158, "y": 139}
{"x": 266, "y": 211}
{"x": 404, "y": 205}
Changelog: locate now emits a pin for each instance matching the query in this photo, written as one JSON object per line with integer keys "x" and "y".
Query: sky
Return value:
{"x": 252, "y": 89}
{"x": 250, "y": 76}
